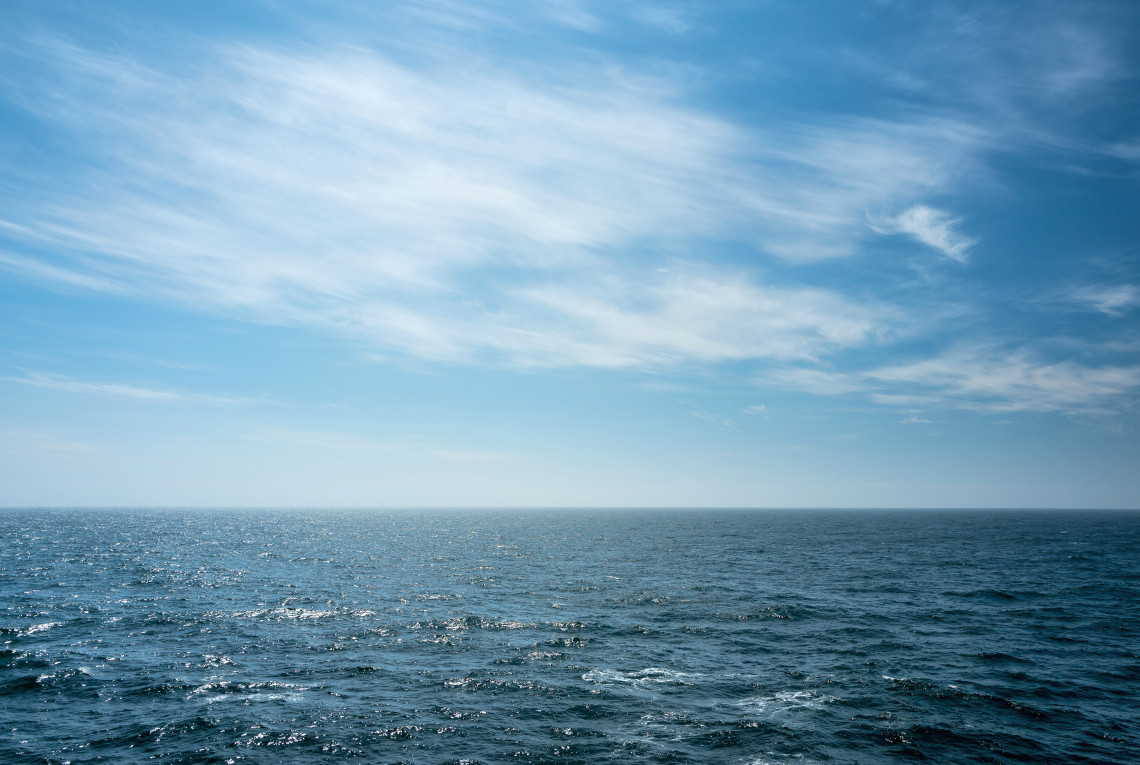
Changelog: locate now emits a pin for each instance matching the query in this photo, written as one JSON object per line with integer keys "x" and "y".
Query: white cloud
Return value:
{"x": 1126, "y": 150}
{"x": 1026, "y": 71}
{"x": 462, "y": 212}
{"x": 40, "y": 271}
{"x": 124, "y": 390}
{"x": 38, "y": 443}
{"x": 350, "y": 442}
{"x": 671, "y": 19}
{"x": 933, "y": 228}
{"x": 360, "y": 444}
{"x": 1114, "y": 300}
{"x": 1014, "y": 382}
{"x": 468, "y": 456}
{"x": 819, "y": 382}
{"x": 982, "y": 379}
{"x": 693, "y": 315}
{"x": 714, "y": 419}
{"x": 573, "y": 14}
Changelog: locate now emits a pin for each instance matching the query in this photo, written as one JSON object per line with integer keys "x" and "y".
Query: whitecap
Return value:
{"x": 640, "y": 677}
{"x": 786, "y": 701}
{"x": 774, "y": 758}
{"x": 38, "y": 628}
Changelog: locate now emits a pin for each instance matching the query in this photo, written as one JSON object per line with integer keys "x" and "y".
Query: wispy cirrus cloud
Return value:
{"x": 1128, "y": 150}
{"x": 931, "y": 227}
{"x": 1013, "y": 382}
{"x": 704, "y": 316}
{"x": 672, "y": 19}
{"x": 453, "y": 455}
{"x": 322, "y": 440}
{"x": 56, "y": 275}
{"x": 1027, "y": 73}
{"x": 714, "y": 419}
{"x": 119, "y": 390}
{"x": 40, "y": 443}
{"x": 979, "y": 378}
{"x": 463, "y": 212}
{"x": 1114, "y": 300}
{"x": 355, "y": 443}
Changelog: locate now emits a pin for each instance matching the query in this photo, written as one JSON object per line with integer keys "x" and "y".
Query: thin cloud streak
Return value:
{"x": 980, "y": 379}
{"x": 363, "y": 445}
{"x": 38, "y": 443}
{"x": 320, "y": 440}
{"x": 933, "y": 228}
{"x": 67, "y": 384}
{"x": 1015, "y": 382}
{"x": 346, "y": 192}
{"x": 1116, "y": 300}
{"x": 464, "y": 213}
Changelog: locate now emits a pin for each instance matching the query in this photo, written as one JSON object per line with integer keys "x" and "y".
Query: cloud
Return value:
{"x": 933, "y": 228}
{"x": 1033, "y": 77}
{"x": 980, "y": 379}
{"x": 1014, "y": 382}
{"x": 124, "y": 390}
{"x": 363, "y": 445}
{"x": 818, "y": 382}
{"x": 40, "y": 271}
{"x": 461, "y": 212}
{"x": 467, "y": 456}
{"x": 573, "y": 14}
{"x": 1116, "y": 300}
{"x": 694, "y": 315}
{"x": 714, "y": 419}
{"x": 670, "y": 19}
{"x": 38, "y": 443}
{"x": 816, "y": 182}
{"x": 1126, "y": 150}
{"x": 322, "y": 440}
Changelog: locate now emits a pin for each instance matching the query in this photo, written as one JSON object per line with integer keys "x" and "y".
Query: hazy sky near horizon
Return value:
{"x": 567, "y": 252}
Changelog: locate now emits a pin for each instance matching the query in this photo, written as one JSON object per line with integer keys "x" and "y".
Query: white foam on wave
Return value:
{"x": 458, "y": 682}
{"x": 541, "y": 655}
{"x": 775, "y": 758}
{"x": 786, "y": 702}
{"x": 641, "y": 677}
{"x": 287, "y": 613}
{"x": 440, "y": 640}
{"x": 222, "y": 690}
{"x": 38, "y": 628}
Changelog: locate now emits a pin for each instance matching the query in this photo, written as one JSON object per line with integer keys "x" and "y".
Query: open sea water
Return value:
{"x": 243, "y": 636}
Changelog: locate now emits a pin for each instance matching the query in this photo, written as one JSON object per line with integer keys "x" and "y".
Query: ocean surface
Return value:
{"x": 257, "y": 636}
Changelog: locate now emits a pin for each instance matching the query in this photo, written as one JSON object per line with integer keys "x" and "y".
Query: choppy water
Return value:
{"x": 571, "y": 637}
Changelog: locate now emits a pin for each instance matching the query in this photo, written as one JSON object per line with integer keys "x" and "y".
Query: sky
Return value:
{"x": 570, "y": 253}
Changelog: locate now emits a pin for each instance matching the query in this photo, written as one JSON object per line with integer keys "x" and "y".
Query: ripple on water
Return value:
{"x": 704, "y": 637}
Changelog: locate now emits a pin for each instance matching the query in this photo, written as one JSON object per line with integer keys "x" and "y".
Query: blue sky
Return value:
{"x": 570, "y": 253}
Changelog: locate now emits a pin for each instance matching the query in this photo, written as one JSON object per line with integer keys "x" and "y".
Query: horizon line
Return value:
{"x": 484, "y": 508}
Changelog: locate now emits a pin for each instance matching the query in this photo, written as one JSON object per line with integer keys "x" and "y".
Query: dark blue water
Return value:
{"x": 570, "y": 637}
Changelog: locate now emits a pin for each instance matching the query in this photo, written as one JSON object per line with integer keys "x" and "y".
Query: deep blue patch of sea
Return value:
{"x": 571, "y": 637}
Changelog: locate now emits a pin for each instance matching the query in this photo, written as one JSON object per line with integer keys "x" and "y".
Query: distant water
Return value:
{"x": 569, "y": 637}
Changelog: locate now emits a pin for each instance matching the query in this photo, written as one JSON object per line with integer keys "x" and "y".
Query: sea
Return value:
{"x": 569, "y": 636}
